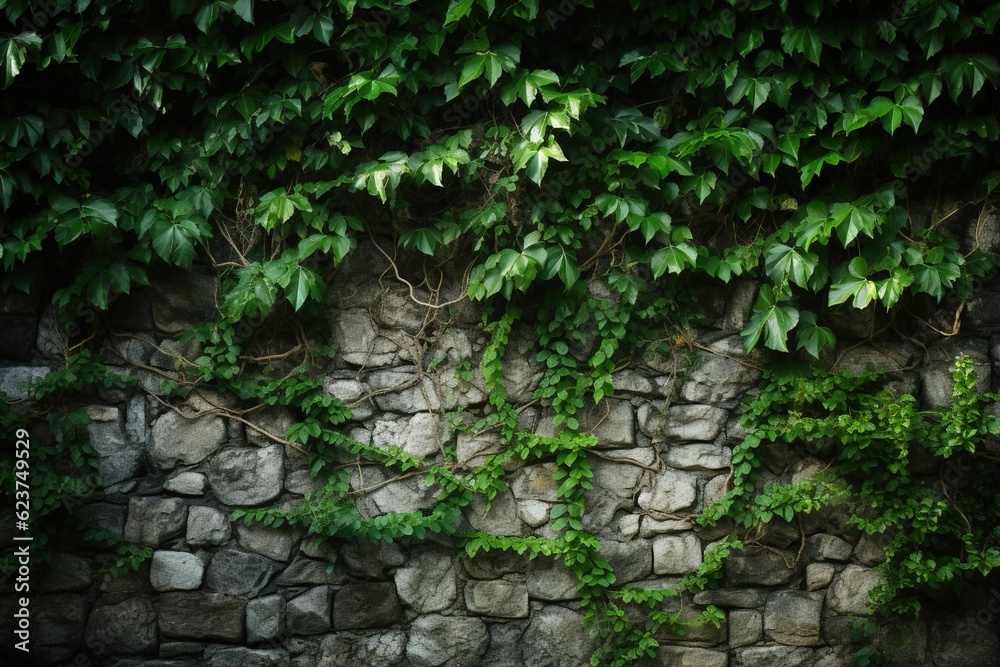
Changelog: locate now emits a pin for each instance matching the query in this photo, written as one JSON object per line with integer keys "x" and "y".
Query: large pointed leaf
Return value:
{"x": 783, "y": 263}
{"x": 771, "y": 320}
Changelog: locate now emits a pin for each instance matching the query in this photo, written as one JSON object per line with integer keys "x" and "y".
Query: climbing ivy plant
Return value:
{"x": 598, "y": 164}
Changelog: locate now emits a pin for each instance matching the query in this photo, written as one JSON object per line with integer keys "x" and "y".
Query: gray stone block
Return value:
{"x": 176, "y": 571}
{"x": 239, "y": 573}
{"x": 154, "y": 521}
{"x": 793, "y": 617}
{"x": 178, "y": 439}
{"x": 497, "y": 597}
{"x": 202, "y": 615}
{"x": 555, "y": 638}
{"x": 127, "y": 628}
{"x": 382, "y": 649}
{"x": 207, "y": 526}
{"x": 428, "y": 582}
{"x": 309, "y": 613}
{"x": 446, "y": 640}
{"x": 849, "y": 591}
{"x": 676, "y": 554}
{"x": 746, "y": 627}
{"x": 248, "y": 657}
{"x": 247, "y": 476}
{"x": 265, "y": 619}
{"x": 362, "y": 605}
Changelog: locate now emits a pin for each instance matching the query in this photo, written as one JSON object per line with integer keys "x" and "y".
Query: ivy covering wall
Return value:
{"x": 589, "y": 168}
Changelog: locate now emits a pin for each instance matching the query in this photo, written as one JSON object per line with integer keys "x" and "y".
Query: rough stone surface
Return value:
{"x": 422, "y": 435}
{"x": 154, "y": 521}
{"x": 793, "y": 617}
{"x": 265, "y": 618}
{"x": 275, "y": 543}
{"x": 128, "y": 627}
{"x": 964, "y": 641}
{"x": 248, "y": 657}
{"x": 183, "y": 614}
{"x": 446, "y": 640}
{"x": 182, "y": 299}
{"x": 309, "y": 613}
{"x": 612, "y": 422}
{"x": 698, "y": 457}
{"x": 178, "y": 439}
{"x": 550, "y": 580}
{"x": 672, "y": 492}
{"x": 245, "y": 476}
{"x": 683, "y": 423}
{"x": 384, "y": 649}
{"x": 207, "y": 526}
{"x": 676, "y": 554}
{"x": 428, "y": 582}
{"x": 504, "y": 599}
{"x": 13, "y": 379}
{"x": 631, "y": 561}
{"x": 759, "y": 567}
{"x": 746, "y": 627}
{"x": 819, "y": 575}
{"x": 828, "y": 547}
{"x": 848, "y": 593}
{"x": 358, "y": 342}
{"x": 679, "y": 656}
{"x": 732, "y": 597}
{"x": 773, "y": 656}
{"x": 239, "y": 573}
{"x": 362, "y": 605}
{"x": 309, "y": 572}
{"x": 187, "y": 484}
{"x": 117, "y": 458}
{"x": 722, "y": 375}
{"x": 176, "y": 571}
{"x": 553, "y": 639}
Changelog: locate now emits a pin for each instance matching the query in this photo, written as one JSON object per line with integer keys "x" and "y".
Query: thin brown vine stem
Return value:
{"x": 409, "y": 285}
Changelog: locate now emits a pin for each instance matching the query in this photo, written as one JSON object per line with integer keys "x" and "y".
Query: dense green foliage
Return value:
{"x": 941, "y": 516}
{"x": 595, "y": 164}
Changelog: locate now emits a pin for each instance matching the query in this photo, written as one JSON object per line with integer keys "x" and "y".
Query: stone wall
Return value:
{"x": 231, "y": 595}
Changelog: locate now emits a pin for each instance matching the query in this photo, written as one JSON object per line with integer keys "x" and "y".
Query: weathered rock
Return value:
{"x": 427, "y": 584}
{"x": 819, "y": 575}
{"x": 14, "y": 380}
{"x": 679, "y": 656}
{"x": 672, "y": 491}
{"x": 631, "y": 561}
{"x": 422, "y": 435}
{"x": 63, "y": 572}
{"x": 682, "y": 423}
{"x": 265, "y": 618}
{"x": 360, "y": 605}
{"x": 187, "y": 484}
{"x": 535, "y": 483}
{"x": 359, "y": 343}
{"x": 676, "y": 554}
{"x": 828, "y": 547}
{"x": 870, "y": 549}
{"x": 759, "y": 567}
{"x": 849, "y": 591}
{"x": 127, "y": 628}
{"x": 698, "y": 457}
{"x": 384, "y": 649}
{"x": 176, "y": 571}
{"x": 746, "y": 627}
{"x": 309, "y": 572}
{"x": 240, "y": 573}
{"x": 630, "y": 382}
{"x": 154, "y": 521}
{"x": 207, "y": 526}
{"x": 275, "y": 543}
{"x": 269, "y": 424}
{"x": 724, "y": 373}
{"x": 793, "y": 617}
{"x": 371, "y": 559}
{"x": 57, "y": 626}
{"x": 549, "y": 579}
{"x": 496, "y": 564}
{"x": 404, "y": 495}
{"x": 183, "y": 614}
{"x": 502, "y": 518}
{"x": 247, "y": 476}
{"x": 553, "y": 639}
{"x": 732, "y": 597}
{"x": 117, "y": 458}
{"x": 772, "y": 656}
{"x": 651, "y": 527}
{"x": 178, "y": 439}
{"x": 309, "y": 613}
{"x": 472, "y": 448}
{"x": 446, "y": 640}
{"x": 504, "y": 599}
{"x": 248, "y": 657}
{"x": 612, "y": 422}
